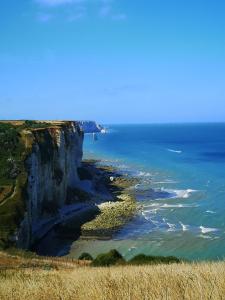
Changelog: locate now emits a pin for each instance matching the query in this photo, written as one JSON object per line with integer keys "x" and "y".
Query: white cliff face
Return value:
{"x": 52, "y": 174}
{"x": 91, "y": 127}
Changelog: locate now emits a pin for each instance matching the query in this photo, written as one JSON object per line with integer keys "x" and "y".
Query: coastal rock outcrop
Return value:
{"x": 50, "y": 158}
{"x": 91, "y": 127}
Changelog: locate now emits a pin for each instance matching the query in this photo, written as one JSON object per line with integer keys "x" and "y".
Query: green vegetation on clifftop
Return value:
{"x": 12, "y": 181}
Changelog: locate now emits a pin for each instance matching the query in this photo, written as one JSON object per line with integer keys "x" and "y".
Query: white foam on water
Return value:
{"x": 137, "y": 185}
{"x": 147, "y": 218}
{"x": 144, "y": 174}
{"x": 204, "y": 236}
{"x": 172, "y": 227}
{"x": 152, "y": 211}
{"x": 179, "y": 205}
{"x": 152, "y": 205}
{"x": 174, "y": 151}
{"x": 210, "y": 212}
{"x": 184, "y": 227}
{"x": 207, "y": 229}
{"x": 165, "y": 181}
{"x": 185, "y": 194}
{"x": 174, "y": 205}
{"x": 132, "y": 248}
{"x": 156, "y": 223}
{"x": 166, "y": 205}
{"x": 123, "y": 166}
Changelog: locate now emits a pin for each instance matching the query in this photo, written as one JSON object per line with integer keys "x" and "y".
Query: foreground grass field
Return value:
{"x": 67, "y": 279}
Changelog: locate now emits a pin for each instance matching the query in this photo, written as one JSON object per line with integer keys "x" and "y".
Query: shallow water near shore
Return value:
{"x": 181, "y": 196}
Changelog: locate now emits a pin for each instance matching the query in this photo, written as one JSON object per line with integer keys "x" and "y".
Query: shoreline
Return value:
{"x": 111, "y": 207}
{"x": 115, "y": 213}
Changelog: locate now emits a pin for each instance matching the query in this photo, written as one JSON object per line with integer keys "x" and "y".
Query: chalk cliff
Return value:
{"x": 51, "y": 156}
{"x": 91, "y": 127}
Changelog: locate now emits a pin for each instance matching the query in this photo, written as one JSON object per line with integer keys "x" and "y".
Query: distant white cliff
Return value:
{"x": 91, "y": 127}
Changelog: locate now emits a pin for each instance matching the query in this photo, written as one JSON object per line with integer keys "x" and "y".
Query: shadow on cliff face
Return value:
{"x": 59, "y": 240}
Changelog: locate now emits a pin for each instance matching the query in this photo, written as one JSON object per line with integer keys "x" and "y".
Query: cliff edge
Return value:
{"x": 39, "y": 165}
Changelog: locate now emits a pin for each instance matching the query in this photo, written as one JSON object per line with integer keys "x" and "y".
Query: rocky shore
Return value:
{"x": 119, "y": 210}
{"x": 109, "y": 204}
{"x": 46, "y": 188}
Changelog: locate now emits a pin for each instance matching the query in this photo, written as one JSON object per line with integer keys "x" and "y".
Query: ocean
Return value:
{"x": 181, "y": 195}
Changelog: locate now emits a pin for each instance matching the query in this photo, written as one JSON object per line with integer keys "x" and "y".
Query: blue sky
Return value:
{"x": 114, "y": 61}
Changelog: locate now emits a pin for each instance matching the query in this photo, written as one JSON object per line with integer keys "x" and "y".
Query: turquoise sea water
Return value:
{"x": 182, "y": 192}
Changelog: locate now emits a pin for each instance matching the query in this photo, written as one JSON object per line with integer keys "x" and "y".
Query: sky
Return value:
{"x": 113, "y": 61}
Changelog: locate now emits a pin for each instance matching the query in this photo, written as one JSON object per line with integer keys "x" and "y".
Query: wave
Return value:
{"x": 166, "y": 205}
{"x": 162, "y": 223}
{"x": 165, "y": 181}
{"x": 184, "y": 227}
{"x": 123, "y": 166}
{"x": 205, "y": 236}
{"x": 174, "y": 151}
{"x": 207, "y": 229}
{"x": 210, "y": 212}
{"x": 132, "y": 248}
{"x": 151, "y": 211}
{"x": 161, "y": 193}
{"x": 179, "y": 193}
{"x": 172, "y": 227}
{"x": 145, "y": 217}
{"x": 176, "y": 205}
{"x": 143, "y": 174}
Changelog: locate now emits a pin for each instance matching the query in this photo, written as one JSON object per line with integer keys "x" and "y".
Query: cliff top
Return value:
{"x": 31, "y": 125}
{"x": 35, "y": 124}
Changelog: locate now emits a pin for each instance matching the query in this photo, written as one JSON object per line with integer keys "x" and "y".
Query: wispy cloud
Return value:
{"x": 57, "y": 2}
{"x": 106, "y": 10}
{"x": 78, "y": 9}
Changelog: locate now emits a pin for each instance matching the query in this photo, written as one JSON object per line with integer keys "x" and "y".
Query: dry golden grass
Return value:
{"x": 21, "y": 259}
{"x": 182, "y": 281}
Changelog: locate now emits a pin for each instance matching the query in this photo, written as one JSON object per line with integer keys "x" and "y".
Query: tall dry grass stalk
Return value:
{"x": 177, "y": 281}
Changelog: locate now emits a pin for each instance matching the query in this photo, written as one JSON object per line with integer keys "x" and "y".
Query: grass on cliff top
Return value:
{"x": 11, "y": 150}
{"x": 176, "y": 281}
{"x": 12, "y": 211}
{"x": 28, "y": 277}
{"x": 15, "y": 259}
{"x": 113, "y": 257}
{"x": 12, "y": 180}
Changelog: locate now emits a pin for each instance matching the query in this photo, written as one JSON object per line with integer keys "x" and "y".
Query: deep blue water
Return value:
{"x": 182, "y": 191}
